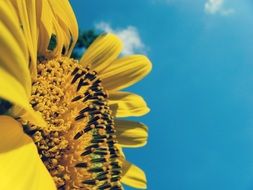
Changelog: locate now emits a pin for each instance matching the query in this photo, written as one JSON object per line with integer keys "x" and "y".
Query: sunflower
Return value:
{"x": 58, "y": 115}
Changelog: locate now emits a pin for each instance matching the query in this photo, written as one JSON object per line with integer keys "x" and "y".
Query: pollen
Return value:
{"x": 78, "y": 146}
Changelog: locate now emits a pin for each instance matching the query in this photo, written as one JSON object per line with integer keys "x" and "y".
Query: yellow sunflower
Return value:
{"x": 58, "y": 115}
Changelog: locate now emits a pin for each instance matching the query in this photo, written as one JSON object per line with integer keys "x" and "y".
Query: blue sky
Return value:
{"x": 200, "y": 90}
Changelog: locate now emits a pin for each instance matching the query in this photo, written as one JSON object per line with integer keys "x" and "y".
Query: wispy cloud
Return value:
{"x": 129, "y": 35}
{"x": 217, "y": 7}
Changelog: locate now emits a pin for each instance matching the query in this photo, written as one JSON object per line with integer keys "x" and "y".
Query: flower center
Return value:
{"x": 78, "y": 146}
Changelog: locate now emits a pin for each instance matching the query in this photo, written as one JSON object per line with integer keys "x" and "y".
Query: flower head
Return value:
{"x": 67, "y": 108}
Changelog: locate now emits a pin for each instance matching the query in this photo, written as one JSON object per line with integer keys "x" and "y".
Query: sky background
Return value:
{"x": 200, "y": 90}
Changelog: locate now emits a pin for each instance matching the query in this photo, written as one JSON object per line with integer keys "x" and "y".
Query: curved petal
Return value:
{"x": 57, "y": 24}
{"x": 13, "y": 48}
{"x": 102, "y": 52}
{"x": 125, "y": 104}
{"x": 21, "y": 166}
{"x": 26, "y": 11}
{"x": 14, "y": 92}
{"x": 133, "y": 176}
{"x": 131, "y": 134}
{"x": 125, "y": 71}
{"x": 67, "y": 21}
{"x": 45, "y": 26}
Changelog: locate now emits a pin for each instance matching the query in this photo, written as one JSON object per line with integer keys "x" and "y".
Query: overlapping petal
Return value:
{"x": 102, "y": 52}
{"x": 26, "y": 12}
{"x": 130, "y": 133}
{"x": 15, "y": 93}
{"x": 32, "y": 29}
{"x": 57, "y": 24}
{"x": 66, "y": 21}
{"x": 49, "y": 28}
{"x": 125, "y": 71}
{"x": 125, "y": 104}
{"x": 13, "y": 48}
{"x": 21, "y": 166}
{"x": 15, "y": 79}
{"x": 133, "y": 176}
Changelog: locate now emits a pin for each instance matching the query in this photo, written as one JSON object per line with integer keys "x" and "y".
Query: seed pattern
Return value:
{"x": 78, "y": 146}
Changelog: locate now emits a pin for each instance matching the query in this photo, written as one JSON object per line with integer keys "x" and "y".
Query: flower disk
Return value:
{"x": 78, "y": 146}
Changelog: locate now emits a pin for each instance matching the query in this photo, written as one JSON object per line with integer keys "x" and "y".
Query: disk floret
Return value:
{"x": 78, "y": 146}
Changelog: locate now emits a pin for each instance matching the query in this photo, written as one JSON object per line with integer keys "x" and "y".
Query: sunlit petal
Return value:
{"x": 125, "y": 104}
{"x": 15, "y": 93}
{"x": 133, "y": 176}
{"x": 21, "y": 166}
{"x": 14, "y": 59}
{"x": 67, "y": 22}
{"x": 26, "y": 12}
{"x": 102, "y": 52}
{"x": 58, "y": 28}
{"x": 125, "y": 71}
{"x": 131, "y": 133}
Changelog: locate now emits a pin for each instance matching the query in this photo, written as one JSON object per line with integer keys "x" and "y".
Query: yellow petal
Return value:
{"x": 48, "y": 28}
{"x": 133, "y": 176}
{"x": 26, "y": 11}
{"x": 56, "y": 19}
{"x": 13, "y": 48}
{"x": 102, "y": 52}
{"x": 125, "y": 104}
{"x": 45, "y": 26}
{"x": 67, "y": 21}
{"x": 130, "y": 133}
{"x": 21, "y": 166}
{"x": 14, "y": 92}
{"x": 125, "y": 72}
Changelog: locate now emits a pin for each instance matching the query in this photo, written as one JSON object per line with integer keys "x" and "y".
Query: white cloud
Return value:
{"x": 217, "y": 6}
{"x": 129, "y": 35}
